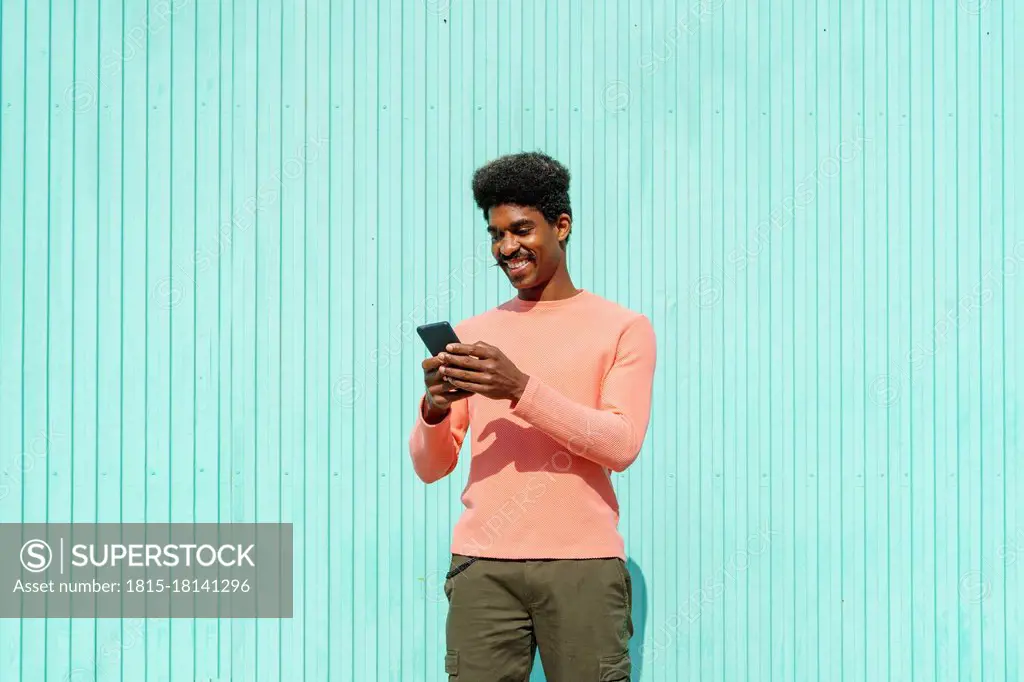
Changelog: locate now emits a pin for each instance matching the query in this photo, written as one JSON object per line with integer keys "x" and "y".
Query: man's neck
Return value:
{"x": 555, "y": 289}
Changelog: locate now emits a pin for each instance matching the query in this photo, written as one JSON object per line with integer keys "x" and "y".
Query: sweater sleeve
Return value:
{"x": 613, "y": 433}
{"x": 435, "y": 447}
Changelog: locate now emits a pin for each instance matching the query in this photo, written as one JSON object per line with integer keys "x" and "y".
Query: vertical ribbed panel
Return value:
{"x": 221, "y": 222}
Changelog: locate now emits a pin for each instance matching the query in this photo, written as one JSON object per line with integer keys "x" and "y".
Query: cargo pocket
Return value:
{"x": 451, "y": 665}
{"x": 615, "y": 668}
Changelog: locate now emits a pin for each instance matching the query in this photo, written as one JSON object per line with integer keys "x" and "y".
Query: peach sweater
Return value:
{"x": 540, "y": 474}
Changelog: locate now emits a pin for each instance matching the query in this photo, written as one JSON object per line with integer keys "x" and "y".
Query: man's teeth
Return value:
{"x": 518, "y": 264}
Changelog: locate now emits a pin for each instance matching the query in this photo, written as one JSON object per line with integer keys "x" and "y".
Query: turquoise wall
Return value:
{"x": 220, "y": 224}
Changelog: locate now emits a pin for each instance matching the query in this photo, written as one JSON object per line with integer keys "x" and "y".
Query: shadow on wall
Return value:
{"x": 639, "y": 627}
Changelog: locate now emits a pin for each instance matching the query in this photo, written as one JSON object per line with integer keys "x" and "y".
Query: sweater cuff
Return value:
{"x": 446, "y": 422}
{"x": 524, "y": 406}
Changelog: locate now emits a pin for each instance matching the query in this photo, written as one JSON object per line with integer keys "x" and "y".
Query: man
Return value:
{"x": 555, "y": 387}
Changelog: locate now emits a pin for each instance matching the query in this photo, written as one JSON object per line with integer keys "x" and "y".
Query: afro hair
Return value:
{"x": 528, "y": 179}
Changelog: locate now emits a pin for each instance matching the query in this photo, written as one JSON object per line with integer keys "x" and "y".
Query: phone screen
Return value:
{"x": 437, "y": 335}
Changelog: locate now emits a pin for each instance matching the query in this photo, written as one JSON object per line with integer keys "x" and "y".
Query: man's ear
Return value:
{"x": 563, "y": 226}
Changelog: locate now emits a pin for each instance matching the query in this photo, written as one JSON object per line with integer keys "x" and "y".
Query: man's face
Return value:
{"x": 526, "y": 245}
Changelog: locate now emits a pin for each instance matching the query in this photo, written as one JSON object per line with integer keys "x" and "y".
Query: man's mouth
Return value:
{"x": 518, "y": 264}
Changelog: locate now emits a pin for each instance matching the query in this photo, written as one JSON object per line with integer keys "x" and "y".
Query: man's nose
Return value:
{"x": 509, "y": 246}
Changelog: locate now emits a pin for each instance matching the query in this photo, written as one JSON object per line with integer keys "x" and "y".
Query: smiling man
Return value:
{"x": 554, "y": 389}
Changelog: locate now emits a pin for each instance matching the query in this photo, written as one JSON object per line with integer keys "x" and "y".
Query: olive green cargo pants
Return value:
{"x": 577, "y": 612}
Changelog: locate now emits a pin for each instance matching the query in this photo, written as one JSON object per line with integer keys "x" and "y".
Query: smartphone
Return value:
{"x": 437, "y": 335}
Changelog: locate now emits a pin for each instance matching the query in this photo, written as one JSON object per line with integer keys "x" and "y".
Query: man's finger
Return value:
{"x": 470, "y": 386}
{"x": 448, "y": 392}
{"x": 465, "y": 361}
{"x": 465, "y": 375}
{"x": 433, "y": 362}
{"x": 476, "y": 349}
{"x": 456, "y": 394}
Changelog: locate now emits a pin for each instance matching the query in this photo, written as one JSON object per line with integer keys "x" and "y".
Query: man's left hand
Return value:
{"x": 483, "y": 369}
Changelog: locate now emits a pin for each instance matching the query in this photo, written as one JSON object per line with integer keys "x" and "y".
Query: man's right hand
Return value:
{"x": 440, "y": 394}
